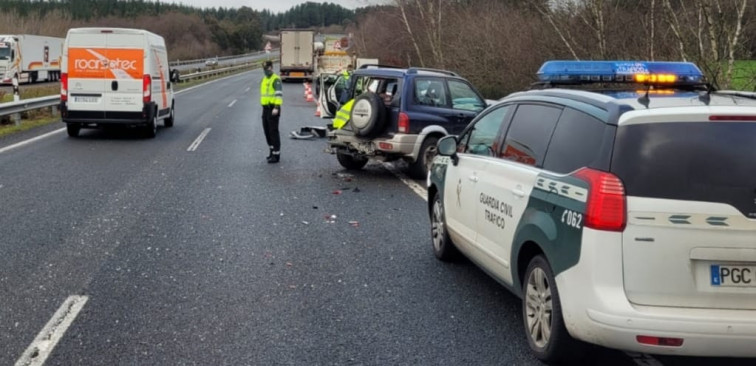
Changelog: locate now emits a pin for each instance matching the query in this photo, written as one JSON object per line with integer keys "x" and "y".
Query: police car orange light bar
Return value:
{"x": 655, "y": 78}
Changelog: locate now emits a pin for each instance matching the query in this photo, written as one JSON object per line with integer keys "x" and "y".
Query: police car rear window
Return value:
{"x": 701, "y": 161}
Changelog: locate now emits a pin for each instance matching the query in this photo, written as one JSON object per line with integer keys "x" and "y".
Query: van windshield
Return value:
{"x": 696, "y": 161}
{"x": 5, "y": 53}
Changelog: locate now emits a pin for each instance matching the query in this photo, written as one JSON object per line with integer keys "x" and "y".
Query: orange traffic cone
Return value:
{"x": 309, "y": 97}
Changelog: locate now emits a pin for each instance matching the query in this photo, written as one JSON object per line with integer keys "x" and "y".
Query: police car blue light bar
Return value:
{"x": 644, "y": 72}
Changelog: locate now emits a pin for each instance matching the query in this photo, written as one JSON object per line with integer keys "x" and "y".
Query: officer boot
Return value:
{"x": 270, "y": 153}
{"x": 275, "y": 156}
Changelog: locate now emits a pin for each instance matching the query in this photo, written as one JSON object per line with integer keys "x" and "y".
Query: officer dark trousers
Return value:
{"x": 272, "y": 137}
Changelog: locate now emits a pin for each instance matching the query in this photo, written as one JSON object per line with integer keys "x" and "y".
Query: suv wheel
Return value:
{"x": 542, "y": 315}
{"x": 443, "y": 247}
{"x": 367, "y": 117}
{"x": 350, "y": 162}
{"x": 419, "y": 169}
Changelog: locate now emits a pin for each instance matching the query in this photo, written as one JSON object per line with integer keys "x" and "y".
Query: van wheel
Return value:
{"x": 73, "y": 130}
{"x": 542, "y": 316}
{"x": 350, "y": 162}
{"x": 151, "y": 129}
{"x": 443, "y": 247}
{"x": 168, "y": 121}
{"x": 428, "y": 151}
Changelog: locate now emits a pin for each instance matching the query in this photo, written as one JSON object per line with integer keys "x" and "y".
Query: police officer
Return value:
{"x": 271, "y": 99}
{"x": 346, "y": 74}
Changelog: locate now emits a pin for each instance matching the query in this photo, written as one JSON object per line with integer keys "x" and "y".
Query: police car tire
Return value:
{"x": 428, "y": 150}
{"x": 350, "y": 162}
{"x": 368, "y": 115}
{"x": 443, "y": 247}
{"x": 560, "y": 347}
{"x": 73, "y": 130}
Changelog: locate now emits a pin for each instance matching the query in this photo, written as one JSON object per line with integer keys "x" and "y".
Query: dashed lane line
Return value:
{"x": 232, "y": 103}
{"x": 48, "y": 337}
{"x": 198, "y": 141}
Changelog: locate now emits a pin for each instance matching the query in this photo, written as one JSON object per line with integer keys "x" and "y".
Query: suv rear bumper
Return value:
{"x": 398, "y": 144}
{"x": 596, "y": 310}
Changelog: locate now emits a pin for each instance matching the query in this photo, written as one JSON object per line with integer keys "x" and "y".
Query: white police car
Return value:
{"x": 622, "y": 217}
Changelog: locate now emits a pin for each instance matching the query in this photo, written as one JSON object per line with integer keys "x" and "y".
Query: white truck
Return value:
{"x": 29, "y": 58}
{"x": 297, "y": 54}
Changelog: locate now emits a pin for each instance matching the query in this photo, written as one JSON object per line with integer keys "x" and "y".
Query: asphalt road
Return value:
{"x": 214, "y": 257}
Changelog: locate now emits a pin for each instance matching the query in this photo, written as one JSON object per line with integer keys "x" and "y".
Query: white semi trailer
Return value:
{"x": 29, "y": 58}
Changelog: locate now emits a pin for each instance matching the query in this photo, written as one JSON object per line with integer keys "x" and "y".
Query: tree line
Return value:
{"x": 500, "y": 44}
{"x": 189, "y": 32}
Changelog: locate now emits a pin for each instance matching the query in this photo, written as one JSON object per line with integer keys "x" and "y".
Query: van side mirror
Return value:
{"x": 447, "y": 146}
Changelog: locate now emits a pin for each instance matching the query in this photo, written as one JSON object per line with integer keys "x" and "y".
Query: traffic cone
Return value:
{"x": 317, "y": 111}
{"x": 309, "y": 97}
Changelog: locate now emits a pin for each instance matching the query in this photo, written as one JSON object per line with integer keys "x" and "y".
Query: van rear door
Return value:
{"x": 106, "y": 72}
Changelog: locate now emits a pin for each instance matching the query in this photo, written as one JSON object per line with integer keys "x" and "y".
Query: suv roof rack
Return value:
{"x": 414, "y": 70}
{"x": 367, "y": 66}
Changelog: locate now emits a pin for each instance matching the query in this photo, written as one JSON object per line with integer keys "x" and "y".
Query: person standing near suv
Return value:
{"x": 271, "y": 99}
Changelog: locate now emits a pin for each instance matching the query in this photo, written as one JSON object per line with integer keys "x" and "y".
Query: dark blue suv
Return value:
{"x": 401, "y": 114}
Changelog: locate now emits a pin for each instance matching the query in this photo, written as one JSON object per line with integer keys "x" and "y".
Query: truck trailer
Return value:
{"x": 29, "y": 58}
{"x": 297, "y": 54}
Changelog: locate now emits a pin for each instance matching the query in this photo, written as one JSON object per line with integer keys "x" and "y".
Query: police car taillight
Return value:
{"x": 606, "y": 207}
{"x": 146, "y": 89}
{"x": 404, "y": 123}
{"x": 64, "y": 87}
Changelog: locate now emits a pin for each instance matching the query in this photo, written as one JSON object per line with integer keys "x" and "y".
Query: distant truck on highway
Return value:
{"x": 29, "y": 58}
{"x": 297, "y": 55}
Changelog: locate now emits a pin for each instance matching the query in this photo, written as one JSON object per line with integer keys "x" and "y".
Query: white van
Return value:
{"x": 115, "y": 76}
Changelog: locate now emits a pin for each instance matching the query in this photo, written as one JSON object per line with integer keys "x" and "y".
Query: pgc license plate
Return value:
{"x": 86, "y": 99}
{"x": 733, "y": 276}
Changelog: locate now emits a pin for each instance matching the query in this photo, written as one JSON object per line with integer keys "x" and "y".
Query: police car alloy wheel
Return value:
{"x": 443, "y": 247}
{"x": 542, "y": 315}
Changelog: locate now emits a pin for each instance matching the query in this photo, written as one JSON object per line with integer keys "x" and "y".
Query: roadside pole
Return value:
{"x": 16, "y": 97}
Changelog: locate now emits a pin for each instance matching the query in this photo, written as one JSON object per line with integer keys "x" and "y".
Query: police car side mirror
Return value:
{"x": 447, "y": 146}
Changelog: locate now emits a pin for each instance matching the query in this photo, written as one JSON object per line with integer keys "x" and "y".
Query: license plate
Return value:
{"x": 733, "y": 276}
{"x": 297, "y": 74}
{"x": 86, "y": 99}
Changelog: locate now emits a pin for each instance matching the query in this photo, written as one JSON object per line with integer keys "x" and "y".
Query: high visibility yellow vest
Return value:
{"x": 268, "y": 94}
{"x": 345, "y": 74}
{"x": 343, "y": 115}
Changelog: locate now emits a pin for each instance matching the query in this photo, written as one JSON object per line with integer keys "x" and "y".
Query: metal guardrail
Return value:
{"x": 202, "y": 60}
{"x": 53, "y": 100}
{"x": 28, "y": 104}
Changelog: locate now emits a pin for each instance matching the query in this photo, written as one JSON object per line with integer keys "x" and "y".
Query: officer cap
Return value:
{"x": 267, "y": 64}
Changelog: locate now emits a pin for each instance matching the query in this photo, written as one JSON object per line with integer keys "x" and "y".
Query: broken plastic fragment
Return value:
{"x": 338, "y": 191}
{"x": 354, "y": 223}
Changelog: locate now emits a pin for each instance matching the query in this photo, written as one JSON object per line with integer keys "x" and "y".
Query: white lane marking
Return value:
{"x": 246, "y": 90}
{"x": 199, "y": 139}
{"x": 232, "y": 103}
{"x": 29, "y": 141}
{"x": 643, "y": 359}
{"x": 49, "y": 336}
{"x": 417, "y": 188}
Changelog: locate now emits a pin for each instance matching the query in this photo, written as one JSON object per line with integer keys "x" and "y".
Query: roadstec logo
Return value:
{"x": 117, "y": 64}
{"x": 105, "y": 63}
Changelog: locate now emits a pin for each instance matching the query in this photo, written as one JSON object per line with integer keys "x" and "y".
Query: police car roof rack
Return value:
{"x": 414, "y": 70}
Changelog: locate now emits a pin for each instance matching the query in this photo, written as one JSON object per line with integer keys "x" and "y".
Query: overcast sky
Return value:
{"x": 275, "y": 6}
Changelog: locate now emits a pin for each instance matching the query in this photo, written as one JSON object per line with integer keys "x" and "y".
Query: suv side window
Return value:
{"x": 529, "y": 134}
{"x": 481, "y": 137}
{"x": 431, "y": 92}
{"x": 576, "y": 143}
{"x": 464, "y": 97}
